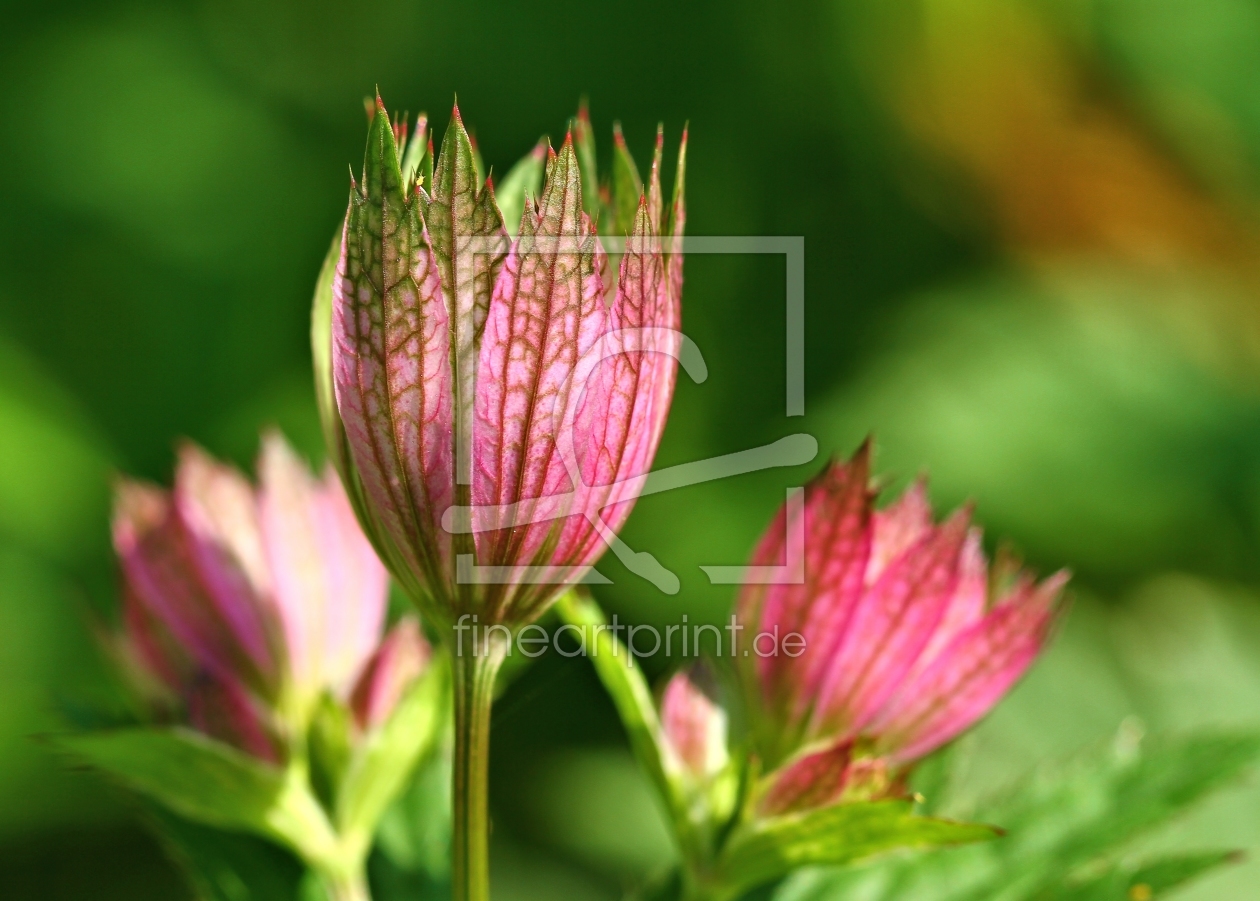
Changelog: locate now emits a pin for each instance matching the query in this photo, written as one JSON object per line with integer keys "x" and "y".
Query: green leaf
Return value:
{"x": 1150, "y": 880}
{"x": 386, "y": 758}
{"x": 626, "y": 685}
{"x": 226, "y": 866}
{"x": 1066, "y": 824}
{"x": 212, "y": 783}
{"x": 523, "y": 180}
{"x": 1099, "y": 802}
{"x": 765, "y": 850}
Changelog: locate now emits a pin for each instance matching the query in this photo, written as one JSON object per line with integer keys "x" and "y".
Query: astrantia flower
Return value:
{"x": 497, "y": 393}
{"x": 243, "y": 605}
{"x": 909, "y": 639}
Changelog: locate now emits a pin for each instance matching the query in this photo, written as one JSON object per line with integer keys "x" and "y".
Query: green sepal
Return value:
{"x": 764, "y": 850}
{"x": 584, "y": 143}
{"x": 627, "y": 186}
{"x": 523, "y": 181}
{"x": 330, "y": 742}
{"x": 386, "y": 757}
{"x": 381, "y": 195}
{"x": 415, "y": 154}
{"x": 677, "y": 208}
{"x": 213, "y": 783}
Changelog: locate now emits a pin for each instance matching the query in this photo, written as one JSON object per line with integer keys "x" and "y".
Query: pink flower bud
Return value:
{"x": 499, "y": 397}
{"x": 694, "y": 725}
{"x": 243, "y": 601}
{"x": 907, "y": 641}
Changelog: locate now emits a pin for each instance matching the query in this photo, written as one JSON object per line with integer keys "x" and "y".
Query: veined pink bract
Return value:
{"x": 909, "y": 639}
{"x": 498, "y": 397}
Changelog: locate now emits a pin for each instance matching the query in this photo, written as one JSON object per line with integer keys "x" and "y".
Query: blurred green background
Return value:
{"x": 1032, "y": 239}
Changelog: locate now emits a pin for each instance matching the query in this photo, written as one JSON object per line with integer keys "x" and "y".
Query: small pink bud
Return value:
{"x": 401, "y": 659}
{"x": 695, "y": 725}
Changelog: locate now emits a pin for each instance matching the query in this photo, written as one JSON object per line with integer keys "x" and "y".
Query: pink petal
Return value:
{"x": 397, "y": 663}
{"x": 899, "y": 526}
{"x": 837, "y": 511}
{"x": 215, "y": 505}
{"x": 152, "y": 549}
{"x": 694, "y": 725}
{"x": 967, "y": 606}
{"x": 391, "y": 365}
{"x": 620, "y": 419}
{"x": 358, "y": 586}
{"x": 150, "y": 647}
{"x": 289, "y": 514}
{"x": 547, "y": 311}
{"x": 889, "y": 629}
{"x": 978, "y": 667}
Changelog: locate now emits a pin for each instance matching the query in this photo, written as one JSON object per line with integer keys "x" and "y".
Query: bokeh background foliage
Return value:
{"x": 1032, "y": 267}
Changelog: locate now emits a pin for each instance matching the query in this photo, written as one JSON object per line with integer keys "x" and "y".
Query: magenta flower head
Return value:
{"x": 243, "y": 605}
{"x": 500, "y": 387}
{"x": 903, "y": 638}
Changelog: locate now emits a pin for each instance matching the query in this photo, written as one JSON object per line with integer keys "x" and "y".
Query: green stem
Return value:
{"x": 474, "y": 669}
{"x": 347, "y": 887}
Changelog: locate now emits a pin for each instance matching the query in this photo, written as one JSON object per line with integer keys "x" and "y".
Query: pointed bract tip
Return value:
{"x": 540, "y": 149}
{"x": 584, "y": 109}
{"x": 618, "y": 138}
{"x": 455, "y": 116}
{"x": 380, "y": 104}
{"x": 660, "y": 134}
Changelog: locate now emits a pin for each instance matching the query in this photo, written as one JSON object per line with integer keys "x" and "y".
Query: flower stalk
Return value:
{"x": 474, "y": 677}
{"x": 347, "y": 887}
{"x": 493, "y": 390}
